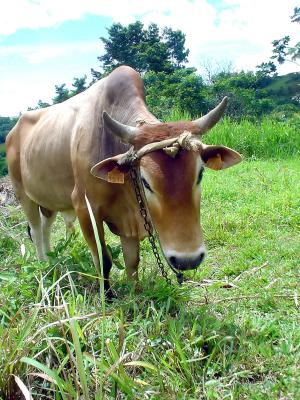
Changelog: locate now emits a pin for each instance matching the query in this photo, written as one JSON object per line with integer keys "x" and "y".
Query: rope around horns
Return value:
{"x": 171, "y": 147}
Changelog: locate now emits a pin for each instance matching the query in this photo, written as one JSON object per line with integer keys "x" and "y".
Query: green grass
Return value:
{"x": 230, "y": 332}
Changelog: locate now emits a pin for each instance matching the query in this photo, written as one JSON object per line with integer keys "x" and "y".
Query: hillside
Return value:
{"x": 285, "y": 87}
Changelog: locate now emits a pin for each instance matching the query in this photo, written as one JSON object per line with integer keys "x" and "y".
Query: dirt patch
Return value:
{"x": 7, "y": 195}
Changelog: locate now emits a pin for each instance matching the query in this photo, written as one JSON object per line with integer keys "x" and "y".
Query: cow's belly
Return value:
{"x": 46, "y": 169}
{"x": 47, "y": 184}
{"x": 49, "y": 194}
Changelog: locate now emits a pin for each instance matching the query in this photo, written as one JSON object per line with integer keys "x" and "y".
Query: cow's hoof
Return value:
{"x": 109, "y": 296}
{"x": 137, "y": 288}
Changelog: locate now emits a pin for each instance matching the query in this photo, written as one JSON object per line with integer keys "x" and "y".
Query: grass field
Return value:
{"x": 230, "y": 332}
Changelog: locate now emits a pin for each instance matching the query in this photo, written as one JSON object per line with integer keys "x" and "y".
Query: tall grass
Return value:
{"x": 263, "y": 139}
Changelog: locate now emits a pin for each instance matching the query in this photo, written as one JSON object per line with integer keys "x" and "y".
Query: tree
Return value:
{"x": 121, "y": 46}
{"x": 96, "y": 75}
{"x": 267, "y": 69}
{"x": 160, "y": 55}
{"x": 79, "y": 84}
{"x": 246, "y": 92}
{"x": 6, "y": 124}
{"x": 182, "y": 90}
{"x": 175, "y": 41}
{"x": 62, "y": 93}
{"x": 143, "y": 49}
{"x": 282, "y": 51}
{"x": 42, "y": 104}
{"x": 212, "y": 68}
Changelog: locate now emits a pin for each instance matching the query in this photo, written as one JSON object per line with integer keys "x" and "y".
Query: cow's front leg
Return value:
{"x": 47, "y": 219}
{"x": 131, "y": 254}
{"x": 88, "y": 233}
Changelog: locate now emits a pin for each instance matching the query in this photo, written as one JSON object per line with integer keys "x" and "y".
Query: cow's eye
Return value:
{"x": 146, "y": 184}
{"x": 200, "y": 176}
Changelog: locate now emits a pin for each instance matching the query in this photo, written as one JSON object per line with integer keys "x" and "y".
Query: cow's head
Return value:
{"x": 172, "y": 182}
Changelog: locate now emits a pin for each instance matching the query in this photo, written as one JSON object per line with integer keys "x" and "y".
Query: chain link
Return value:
{"x": 134, "y": 174}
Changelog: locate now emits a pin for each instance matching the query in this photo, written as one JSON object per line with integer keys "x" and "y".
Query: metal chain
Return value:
{"x": 147, "y": 224}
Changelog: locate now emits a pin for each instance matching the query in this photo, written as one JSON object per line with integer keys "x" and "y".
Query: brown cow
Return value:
{"x": 51, "y": 151}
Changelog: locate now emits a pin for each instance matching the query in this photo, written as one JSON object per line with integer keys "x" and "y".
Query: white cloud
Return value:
{"x": 256, "y": 18}
{"x": 22, "y": 94}
{"x": 37, "y": 54}
{"x": 49, "y": 65}
{"x": 253, "y": 23}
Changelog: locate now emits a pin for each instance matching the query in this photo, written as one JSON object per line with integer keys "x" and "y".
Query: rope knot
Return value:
{"x": 172, "y": 150}
{"x": 185, "y": 141}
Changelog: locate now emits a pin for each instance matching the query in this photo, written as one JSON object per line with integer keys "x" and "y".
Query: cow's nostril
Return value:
{"x": 182, "y": 261}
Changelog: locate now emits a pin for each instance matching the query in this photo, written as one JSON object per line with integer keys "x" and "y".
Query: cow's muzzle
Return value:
{"x": 185, "y": 261}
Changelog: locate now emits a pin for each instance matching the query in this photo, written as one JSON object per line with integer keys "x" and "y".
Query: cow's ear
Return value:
{"x": 110, "y": 170}
{"x": 219, "y": 157}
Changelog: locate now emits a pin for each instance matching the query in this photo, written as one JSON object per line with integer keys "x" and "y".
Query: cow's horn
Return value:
{"x": 209, "y": 120}
{"x": 125, "y": 132}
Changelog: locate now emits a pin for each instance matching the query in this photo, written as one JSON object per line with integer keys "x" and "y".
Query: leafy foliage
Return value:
{"x": 247, "y": 94}
{"x": 143, "y": 49}
{"x": 6, "y": 124}
{"x": 183, "y": 90}
{"x": 267, "y": 69}
{"x": 62, "y": 93}
{"x": 79, "y": 85}
{"x": 282, "y": 50}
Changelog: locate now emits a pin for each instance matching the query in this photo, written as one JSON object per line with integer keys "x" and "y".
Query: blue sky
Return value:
{"x": 49, "y": 42}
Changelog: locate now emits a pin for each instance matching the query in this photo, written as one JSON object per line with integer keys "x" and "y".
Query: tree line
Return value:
{"x": 160, "y": 56}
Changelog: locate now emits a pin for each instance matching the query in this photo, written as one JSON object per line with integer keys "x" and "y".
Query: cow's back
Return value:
{"x": 51, "y": 151}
